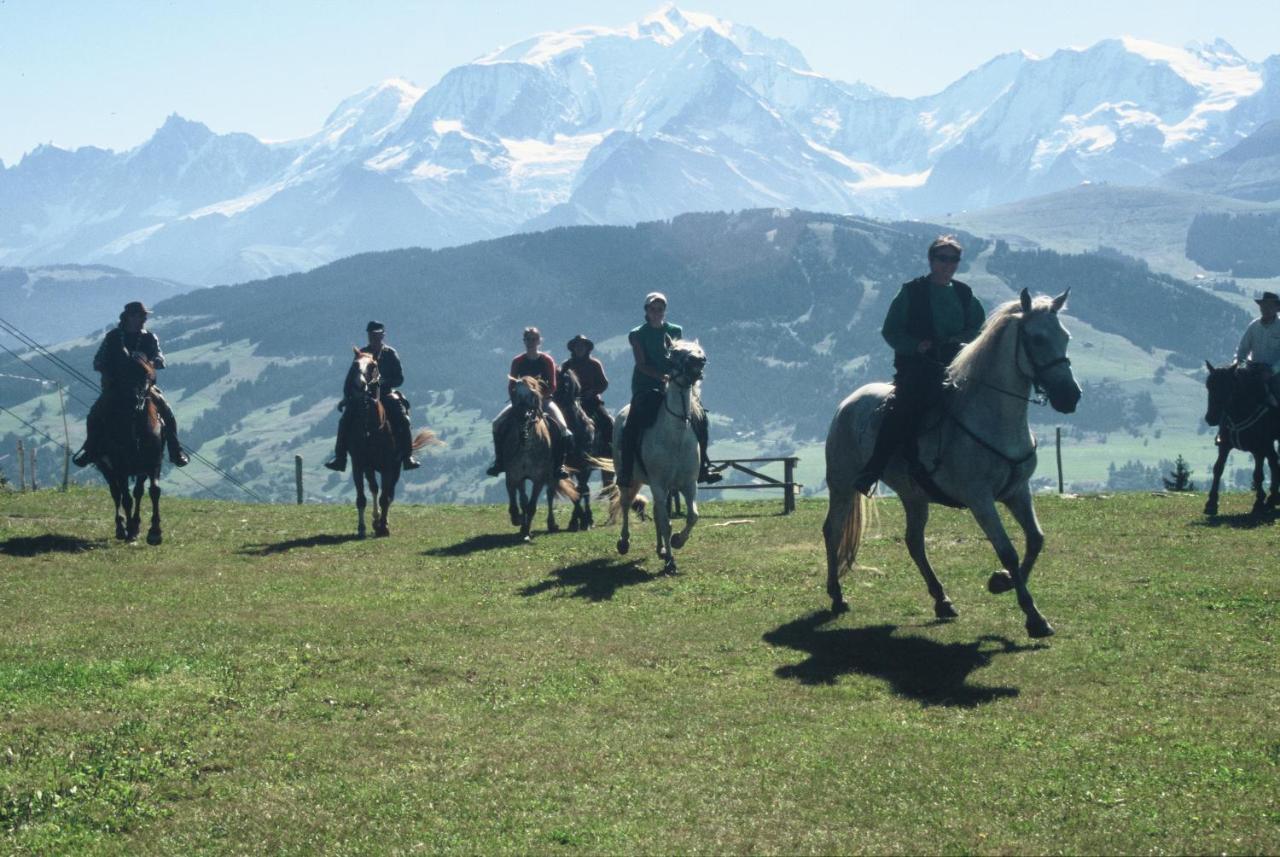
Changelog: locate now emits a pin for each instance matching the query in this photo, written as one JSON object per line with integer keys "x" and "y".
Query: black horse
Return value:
{"x": 132, "y": 446}
{"x": 589, "y": 441}
{"x": 1238, "y": 407}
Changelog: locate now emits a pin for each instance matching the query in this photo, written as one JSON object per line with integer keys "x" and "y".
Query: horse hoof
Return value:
{"x": 677, "y": 541}
{"x": 381, "y": 533}
{"x": 1040, "y": 627}
{"x": 838, "y": 607}
{"x": 670, "y": 567}
{"x": 573, "y": 526}
{"x": 362, "y": 535}
{"x": 528, "y": 538}
{"x": 153, "y": 538}
{"x": 1211, "y": 509}
{"x": 1001, "y": 581}
{"x": 623, "y": 546}
{"x": 945, "y": 609}
{"x": 121, "y": 535}
{"x": 553, "y": 528}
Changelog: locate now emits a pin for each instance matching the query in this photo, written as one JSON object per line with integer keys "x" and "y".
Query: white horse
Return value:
{"x": 668, "y": 456}
{"x": 976, "y": 447}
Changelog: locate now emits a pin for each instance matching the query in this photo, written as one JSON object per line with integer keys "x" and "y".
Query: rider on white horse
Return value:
{"x": 650, "y": 344}
{"x": 928, "y": 323}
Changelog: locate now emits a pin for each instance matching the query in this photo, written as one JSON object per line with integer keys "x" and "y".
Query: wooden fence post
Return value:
{"x": 34, "y": 486}
{"x": 22, "y": 467}
{"x": 1058, "y": 433}
{"x": 789, "y": 495}
{"x": 297, "y": 476}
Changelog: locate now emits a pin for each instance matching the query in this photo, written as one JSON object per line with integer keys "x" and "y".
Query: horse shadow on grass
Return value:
{"x": 595, "y": 580}
{"x": 31, "y": 546}
{"x": 1242, "y": 521}
{"x": 476, "y": 544}
{"x": 292, "y": 544}
{"x": 917, "y": 668}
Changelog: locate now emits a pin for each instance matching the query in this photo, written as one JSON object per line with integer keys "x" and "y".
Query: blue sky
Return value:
{"x": 107, "y": 72}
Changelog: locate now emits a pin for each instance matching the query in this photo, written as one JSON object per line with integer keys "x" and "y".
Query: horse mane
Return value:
{"x": 534, "y": 384}
{"x": 975, "y": 358}
{"x": 355, "y": 372}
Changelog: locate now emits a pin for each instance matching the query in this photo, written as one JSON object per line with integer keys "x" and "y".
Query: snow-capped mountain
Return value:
{"x": 677, "y": 112}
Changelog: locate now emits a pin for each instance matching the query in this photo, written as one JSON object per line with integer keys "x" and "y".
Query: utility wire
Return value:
{"x": 18, "y": 334}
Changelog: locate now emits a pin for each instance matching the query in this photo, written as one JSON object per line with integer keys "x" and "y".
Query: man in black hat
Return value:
{"x": 126, "y": 342}
{"x": 1260, "y": 345}
{"x": 591, "y": 376}
{"x": 393, "y": 401}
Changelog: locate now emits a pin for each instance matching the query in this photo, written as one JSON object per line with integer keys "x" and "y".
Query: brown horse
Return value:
{"x": 527, "y": 451}
{"x": 371, "y": 443}
{"x": 589, "y": 444}
{"x": 132, "y": 446}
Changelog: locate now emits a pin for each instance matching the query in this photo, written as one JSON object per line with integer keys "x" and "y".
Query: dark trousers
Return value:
{"x": 93, "y": 423}
{"x": 397, "y": 411}
{"x": 917, "y": 384}
{"x": 603, "y": 419}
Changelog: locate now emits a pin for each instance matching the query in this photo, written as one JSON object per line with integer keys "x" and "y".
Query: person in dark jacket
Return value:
{"x": 394, "y": 403}
{"x": 128, "y": 341}
{"x": 928, "y": 323}
{"x": 590, "y": 372}
{"x": 650, "y": 345}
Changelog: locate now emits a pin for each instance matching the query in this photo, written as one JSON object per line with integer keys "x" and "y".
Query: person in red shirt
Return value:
{"x": 540, "y": 365}
{"x": 591, "y": 376}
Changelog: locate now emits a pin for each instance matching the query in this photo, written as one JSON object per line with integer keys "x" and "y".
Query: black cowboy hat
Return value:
{"x": 135, "y": 306}
{"x": 375, "y": 327}
{"x": 581, "y": 340}
{"x": 1267, "y": 296}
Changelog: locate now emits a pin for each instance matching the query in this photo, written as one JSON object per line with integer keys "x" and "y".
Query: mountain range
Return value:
{"x": 678, "y": 112}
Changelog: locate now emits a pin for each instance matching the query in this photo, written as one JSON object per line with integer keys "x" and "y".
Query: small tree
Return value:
{"x": 1180, "y": 478}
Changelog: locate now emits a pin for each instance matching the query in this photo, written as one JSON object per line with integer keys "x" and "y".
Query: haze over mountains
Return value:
{"x": 678, "y": 112}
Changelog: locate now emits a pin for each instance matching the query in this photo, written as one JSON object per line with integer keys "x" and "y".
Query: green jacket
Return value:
{"x": 950, "y": 316}
{"x": 653, "y": 342}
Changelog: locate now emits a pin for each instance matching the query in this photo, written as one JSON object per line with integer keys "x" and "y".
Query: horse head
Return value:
{"x": 688, "y": 361}
{"x": 568, "y": 387}
{"x": 528, "y": 394}
{"x": 1237, "y": 389}
{"x": 363, "y": 377}
{"x": 1042, "y": 352}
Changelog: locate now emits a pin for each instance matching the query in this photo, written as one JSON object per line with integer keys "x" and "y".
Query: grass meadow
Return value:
{"x": 264, "y": 682}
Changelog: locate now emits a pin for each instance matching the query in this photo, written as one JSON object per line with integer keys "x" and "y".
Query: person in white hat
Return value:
{"x": 1260, "y": 345}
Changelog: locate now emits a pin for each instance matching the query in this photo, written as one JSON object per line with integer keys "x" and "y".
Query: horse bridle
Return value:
{"x": 675, "y": 379}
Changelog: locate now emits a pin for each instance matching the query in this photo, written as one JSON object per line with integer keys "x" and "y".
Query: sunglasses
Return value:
{"x": 947, "y": 259}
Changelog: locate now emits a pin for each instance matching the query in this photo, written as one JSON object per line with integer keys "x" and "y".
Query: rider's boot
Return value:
{"x": 84, "y": 457}
{"x": 498, "y": 465}
{"x": 560, "y": 450}
{"x": 405, "y": 442}
{"x": 887, "y": 440}
{"x": 339, "y": 460}
{"x": 627, "y": 464}
{"x": 705, "y": 473}
{"x": 176, "y": 455}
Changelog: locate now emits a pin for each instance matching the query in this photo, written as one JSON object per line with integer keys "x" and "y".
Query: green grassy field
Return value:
{"x": 262, "y": 682}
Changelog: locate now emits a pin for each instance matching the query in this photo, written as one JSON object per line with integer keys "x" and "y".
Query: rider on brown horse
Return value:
{"x": 538, "y": 364}
{"x": 592, "y": 379}
{"x": 650, "y": 344}
{"x": 393, "y": 401}
{"x": 928, "y": 323}
{"x": 128, "y": 341}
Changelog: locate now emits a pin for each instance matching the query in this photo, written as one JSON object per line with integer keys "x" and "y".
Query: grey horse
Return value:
{"x": 977, "y": 448}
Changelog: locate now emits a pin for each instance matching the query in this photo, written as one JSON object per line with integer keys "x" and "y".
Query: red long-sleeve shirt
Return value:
{"x": 542, "y": 366}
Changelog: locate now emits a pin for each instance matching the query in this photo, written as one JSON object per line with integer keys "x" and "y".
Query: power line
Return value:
{"x": 16, "y": 332}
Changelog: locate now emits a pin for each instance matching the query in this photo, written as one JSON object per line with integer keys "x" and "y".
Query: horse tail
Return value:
{"x": 600, "y": 464}
{"x": 566, "y": 489}
{"x": 613, "y": 494}
{"x": 426, "y": 437}
{"x": 855, "y": 527}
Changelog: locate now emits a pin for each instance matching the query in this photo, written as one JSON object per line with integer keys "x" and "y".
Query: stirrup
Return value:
{"x": 179, "y": 458}
{"x": 83, "y": 458}
{"x": 338, "y": 464}
{"x": 495, "y": 469}
{"x": 709, "y": 476}
{"x": 410, "y": 463}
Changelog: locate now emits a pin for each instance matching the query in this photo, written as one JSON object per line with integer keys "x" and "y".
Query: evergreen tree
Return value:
{"x": 1180, "y": 478}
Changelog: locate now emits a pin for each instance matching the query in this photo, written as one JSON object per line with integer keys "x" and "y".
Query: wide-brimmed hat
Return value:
{"x": 375, "y": 327}
{"x": 135, "y": 306}
{"x": 1267, "y": 296}
{"x": 581, "y": 340}
{"x": 655, "y": 296}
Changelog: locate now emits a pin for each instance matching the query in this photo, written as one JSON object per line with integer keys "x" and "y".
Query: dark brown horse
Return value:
{"x": 132, "y": 446}
{"x": 589, "y": 443}
{"x": 1238, "y": 408}
{"x": 371, "y": 442}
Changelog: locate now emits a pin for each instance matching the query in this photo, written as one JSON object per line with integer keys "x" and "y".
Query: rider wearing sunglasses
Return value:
{"x": 928, "y": 323}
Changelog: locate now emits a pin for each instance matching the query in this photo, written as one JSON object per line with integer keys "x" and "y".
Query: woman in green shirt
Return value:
{"x": 650, "y": 347}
